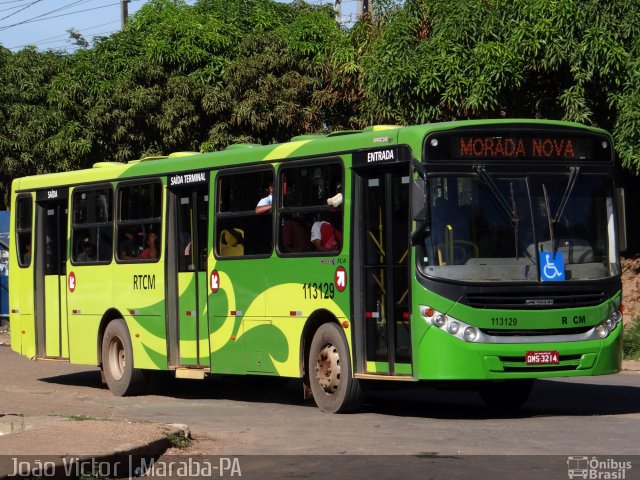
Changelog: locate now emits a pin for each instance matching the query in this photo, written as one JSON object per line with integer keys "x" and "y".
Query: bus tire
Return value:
{"x": 117, "y": 361}
{"x": 330, "y": 375}
{"x": 507, "y": 394}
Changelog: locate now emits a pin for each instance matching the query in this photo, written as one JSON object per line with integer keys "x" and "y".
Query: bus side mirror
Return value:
{"x": 622, "y": 222}
{"x": 418, "y": 201}
{"x": 419, "y": 211}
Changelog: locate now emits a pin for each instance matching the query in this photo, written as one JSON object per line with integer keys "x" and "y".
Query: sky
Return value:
{"x": 44, "y": 23}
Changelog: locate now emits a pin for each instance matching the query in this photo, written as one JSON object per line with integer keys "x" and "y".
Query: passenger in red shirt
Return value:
{"x": 324, "y": 237}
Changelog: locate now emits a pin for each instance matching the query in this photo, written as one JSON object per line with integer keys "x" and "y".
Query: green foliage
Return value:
{"x": 278, "y": 84}
{"x": 249, "y": 15}
{"x": 178, "y": 440}
{"x": 182, "y": 77}
{"x": 440, "y": 60}
{"x": 631, "y": 341}
{"x": 81, "y": 418}
{"x": 35, "y": 135}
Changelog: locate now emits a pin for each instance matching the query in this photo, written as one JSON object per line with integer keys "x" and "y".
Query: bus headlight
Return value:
{"x": 453, "y": 327}
{"x": 439, "y": 320}
{"x": 470, "y": 334}
{"x": 602, "y": 331}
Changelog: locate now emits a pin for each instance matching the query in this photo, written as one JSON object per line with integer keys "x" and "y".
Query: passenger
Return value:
{"x": 264, "y": 205}
{"x": 128, "y": 249}
{"x": 88, "y": 253}
{"x": 296, "y": 235}
{"x": 152, "y": 251}
{"x": 324, "y": 237}
{"x": 26, "y": 256}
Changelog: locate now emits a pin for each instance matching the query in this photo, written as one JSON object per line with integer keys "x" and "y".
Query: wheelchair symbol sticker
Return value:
{"x": 551, "y": 267}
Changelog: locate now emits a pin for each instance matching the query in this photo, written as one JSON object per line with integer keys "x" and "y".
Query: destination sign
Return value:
{"x": 524, "y": 145}
{"x": 190, "y": 178}
{"x": 52, "y": 194}
{"x": 381, "y": 156}
{"x": 490, "y": 147}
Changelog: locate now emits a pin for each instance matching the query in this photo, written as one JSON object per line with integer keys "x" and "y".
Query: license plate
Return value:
{"x": 542, "y": 358}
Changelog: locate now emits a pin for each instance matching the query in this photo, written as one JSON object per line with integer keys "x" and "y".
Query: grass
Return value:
{"x": 178, "y": 440}
{"x": 631, "y": 341}
{"x": 80, "y": 418}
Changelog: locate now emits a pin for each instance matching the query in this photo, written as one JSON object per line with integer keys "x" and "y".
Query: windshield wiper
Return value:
{"x": 567, "y": 193}
{"x": 554, "y": 220}
{"x": 550, "y": 220}
{"x": 509, "y": 210}
{"x": 497, "y": 195}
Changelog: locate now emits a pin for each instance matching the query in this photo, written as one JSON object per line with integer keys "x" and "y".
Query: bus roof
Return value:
{"x": 300, "y": 146}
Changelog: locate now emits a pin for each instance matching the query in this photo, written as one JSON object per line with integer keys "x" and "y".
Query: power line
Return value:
{"x": 40, "y": 17}
{"x": 18, "y": 11}
{"x": 65, "y": 36}
{"x": 65, "y": 42}
{"x": 9, "y": 8}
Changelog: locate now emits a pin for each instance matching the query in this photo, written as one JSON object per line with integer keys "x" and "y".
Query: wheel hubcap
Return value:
{"x": 328, "y": 368}
{"x": 117, "y": 358}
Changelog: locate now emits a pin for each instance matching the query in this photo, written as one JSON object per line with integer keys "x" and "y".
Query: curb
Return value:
{"x": 124, "y": 460}
{"x": 630, "y": 366}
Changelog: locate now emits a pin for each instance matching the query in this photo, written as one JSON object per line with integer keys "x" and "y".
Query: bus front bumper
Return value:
{"x": 441, "y": 356}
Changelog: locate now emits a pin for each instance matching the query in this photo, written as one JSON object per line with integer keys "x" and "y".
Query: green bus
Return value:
{"x": 482, "y": 254}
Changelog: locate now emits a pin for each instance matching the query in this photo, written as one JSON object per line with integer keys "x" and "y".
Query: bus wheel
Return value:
{"x": 117, "y": 361}
{"x": 332, "y": 384}
{"x": 507, "y": 394}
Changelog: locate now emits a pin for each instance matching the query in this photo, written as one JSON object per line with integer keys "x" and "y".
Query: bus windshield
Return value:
{"x": 489, "y": 227}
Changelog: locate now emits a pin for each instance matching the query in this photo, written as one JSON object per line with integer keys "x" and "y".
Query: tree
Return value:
{"x": 35, "y": 135}
{"x": 77, "y": 38}
{"x": 438, "y": 60}
{"x": 182, "y": 77}
{"x": 278, "y": 85}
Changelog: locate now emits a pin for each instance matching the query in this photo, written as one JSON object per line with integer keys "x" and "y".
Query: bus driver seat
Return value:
{"x": 232, "y": 242}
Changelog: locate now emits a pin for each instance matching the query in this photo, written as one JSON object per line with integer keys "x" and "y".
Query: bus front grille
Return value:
{"x": 534, "y": 300}
{"x": 535, "y": 333}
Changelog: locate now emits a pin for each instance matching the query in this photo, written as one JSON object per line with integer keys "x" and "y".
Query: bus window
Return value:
{"x": 24, "y": 215}
{"x": 244, "y": 217}
{"x": 311, "y": 212}
{"x": 92, "y": 226}
{"x": 139, "y": 222}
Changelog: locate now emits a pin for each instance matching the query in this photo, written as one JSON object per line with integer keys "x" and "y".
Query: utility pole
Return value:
{"x": 338, "y": 9}
{"x": 362, "y": 8}
{"x": 124, "y": 12}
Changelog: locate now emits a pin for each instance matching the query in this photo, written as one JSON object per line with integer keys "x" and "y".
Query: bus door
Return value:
{"x": 50, "y": 263}
{"x": 381, "y": 260}
{"x": 187, "y": 324}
